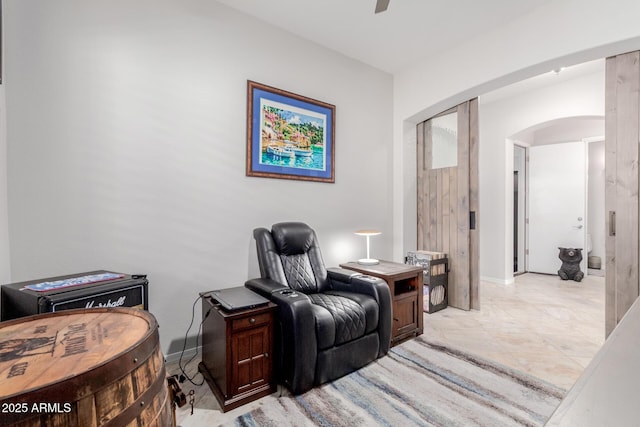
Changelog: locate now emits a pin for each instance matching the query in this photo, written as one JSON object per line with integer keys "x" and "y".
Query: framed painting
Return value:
{"x": 289, "y": 136}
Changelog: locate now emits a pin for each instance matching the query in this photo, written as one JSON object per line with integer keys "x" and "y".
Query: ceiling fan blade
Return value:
{"x": 382, "y": 5}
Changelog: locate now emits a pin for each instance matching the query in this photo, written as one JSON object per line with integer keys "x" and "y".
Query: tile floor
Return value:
{"x": 540, "y": 325}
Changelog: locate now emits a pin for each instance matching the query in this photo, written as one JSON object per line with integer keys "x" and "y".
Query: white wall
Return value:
{"x": 559, "y": 33}
{"x": 126, "y": 145}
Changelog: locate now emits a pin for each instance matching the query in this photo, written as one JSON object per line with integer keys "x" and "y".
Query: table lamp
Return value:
{"x": 368, "y": 233}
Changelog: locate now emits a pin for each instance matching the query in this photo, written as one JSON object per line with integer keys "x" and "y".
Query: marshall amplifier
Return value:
{"x": 84, "y": 290}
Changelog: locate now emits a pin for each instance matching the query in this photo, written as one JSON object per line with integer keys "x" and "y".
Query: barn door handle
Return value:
{"x": 472, "y": 220}
{"x": 612, "y": 223}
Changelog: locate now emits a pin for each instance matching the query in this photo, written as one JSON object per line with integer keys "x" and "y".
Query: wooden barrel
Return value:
{"x": 85, "y": 368}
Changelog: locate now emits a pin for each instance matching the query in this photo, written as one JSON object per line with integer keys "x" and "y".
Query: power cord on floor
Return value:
{"x": 183, "y": 367}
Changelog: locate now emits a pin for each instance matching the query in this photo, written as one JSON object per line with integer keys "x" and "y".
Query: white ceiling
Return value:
{"x": 547, "y": 79}
{"x": 408, "y": 32}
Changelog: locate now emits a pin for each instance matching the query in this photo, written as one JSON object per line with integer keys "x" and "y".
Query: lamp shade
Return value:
{"x": 368, "y": 232}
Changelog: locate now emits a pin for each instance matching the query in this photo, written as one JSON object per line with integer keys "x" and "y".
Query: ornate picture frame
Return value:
{"x": 289, "y": 136}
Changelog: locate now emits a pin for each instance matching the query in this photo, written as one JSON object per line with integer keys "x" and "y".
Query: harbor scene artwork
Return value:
{"x": 289, "y": 136}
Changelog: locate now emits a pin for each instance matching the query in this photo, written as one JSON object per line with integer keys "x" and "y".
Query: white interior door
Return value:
{"x": 557, "y": 205}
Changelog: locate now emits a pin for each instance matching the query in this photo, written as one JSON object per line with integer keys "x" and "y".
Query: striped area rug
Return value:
{"x": 418, "y": 383}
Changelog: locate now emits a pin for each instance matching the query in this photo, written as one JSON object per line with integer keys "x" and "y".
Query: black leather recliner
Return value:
{"x": 330, "y": 321}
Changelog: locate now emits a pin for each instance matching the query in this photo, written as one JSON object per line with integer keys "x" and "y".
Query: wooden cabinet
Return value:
{"x": 237, "y": 353}
{"x": 405, "y": 284}
{"x": 405, "y": 316}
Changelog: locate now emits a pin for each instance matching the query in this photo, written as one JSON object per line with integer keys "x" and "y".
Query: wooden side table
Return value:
{"x": 237, "y": 352}
{"x": 405, "y": 284}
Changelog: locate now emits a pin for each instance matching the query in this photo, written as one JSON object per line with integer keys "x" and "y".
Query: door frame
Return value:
{"x": 524, "y": 178}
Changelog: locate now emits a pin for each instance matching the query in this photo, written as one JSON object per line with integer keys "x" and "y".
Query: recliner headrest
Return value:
{"x": 292, "y": 238}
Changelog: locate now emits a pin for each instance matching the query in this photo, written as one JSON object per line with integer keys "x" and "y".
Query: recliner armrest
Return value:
{"x": 342, "y": 274}
{"x": 342, "y": 280}
{"x": 297, "y": 333}
{"x": 352, "y": 281}
{"x": 264, "y": 287}
{"x": 299, "y": 343}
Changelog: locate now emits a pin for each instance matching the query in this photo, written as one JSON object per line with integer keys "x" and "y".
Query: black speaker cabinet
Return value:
{"x": 56, "y": 294}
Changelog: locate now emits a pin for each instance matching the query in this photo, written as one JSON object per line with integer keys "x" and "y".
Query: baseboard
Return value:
{"x": 596, "y": 272}
{"x": 496, "y": 280}
{"x": 188, "y": 354}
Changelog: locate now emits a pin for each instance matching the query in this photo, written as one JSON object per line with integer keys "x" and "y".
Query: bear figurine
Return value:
{"x": 570, "y": 269}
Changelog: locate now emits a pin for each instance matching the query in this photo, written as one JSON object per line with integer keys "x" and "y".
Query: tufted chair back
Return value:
{"x": 290, "y": 254}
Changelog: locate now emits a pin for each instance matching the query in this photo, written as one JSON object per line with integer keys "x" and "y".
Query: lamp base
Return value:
{"x": 368, "y": 261}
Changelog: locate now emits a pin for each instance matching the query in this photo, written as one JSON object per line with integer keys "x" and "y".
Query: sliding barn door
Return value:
{"x": 448, "y": 197}
{"x": 622, "y": 135}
